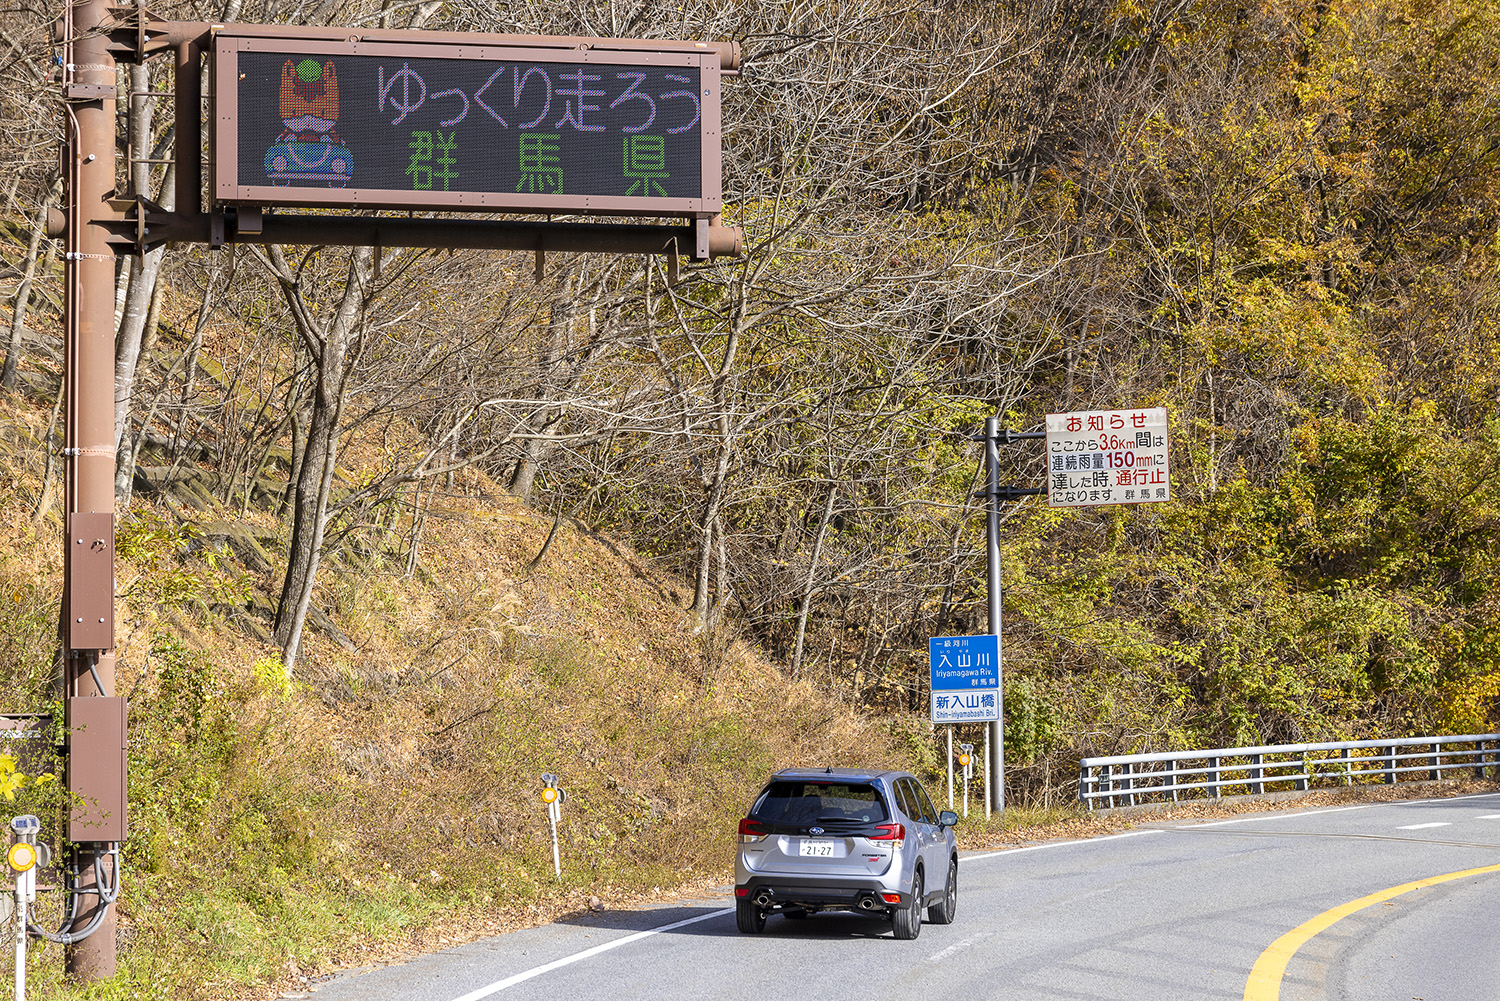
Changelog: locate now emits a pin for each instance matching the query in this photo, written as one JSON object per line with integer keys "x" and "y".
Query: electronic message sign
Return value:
{"x": 469, "y": 127}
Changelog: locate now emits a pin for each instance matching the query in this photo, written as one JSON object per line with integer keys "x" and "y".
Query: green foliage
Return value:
{"x": 175, "y": 569}
{"x": 271, "y": 674}
{"x": 1033, "y": 720}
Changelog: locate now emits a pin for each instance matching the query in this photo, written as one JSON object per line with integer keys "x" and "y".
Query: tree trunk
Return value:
{"x": 564, "y": 310}
{"x": 309, "y": 523}
{"x": 136, "y": 310}
{"x": 808, "y": 590}
{"x": 10, "y": 374}
{"x": 702, "y": 607}
{"x": 334, "y": 346}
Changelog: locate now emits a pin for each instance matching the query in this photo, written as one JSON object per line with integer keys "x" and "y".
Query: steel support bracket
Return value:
{"x": 90, "y": 92}
{"x": 134, "y": 33}
{"x": 1010, "y": 492}
{"x": 137, "y": 223}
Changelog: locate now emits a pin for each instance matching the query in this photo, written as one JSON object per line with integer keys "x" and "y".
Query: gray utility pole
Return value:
{"x": 994, "y": 437}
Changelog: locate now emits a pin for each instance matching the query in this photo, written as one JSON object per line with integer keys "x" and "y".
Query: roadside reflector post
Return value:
{"x": 966, "y": 759}
{"x": 23, "y": 860}
{"x": 554, "y": 797}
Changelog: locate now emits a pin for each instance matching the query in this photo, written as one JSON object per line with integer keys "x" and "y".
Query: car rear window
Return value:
{"x": 800, "y": 803}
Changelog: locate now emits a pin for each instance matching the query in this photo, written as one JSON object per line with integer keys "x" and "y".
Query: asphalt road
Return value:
{"x": 1312, "y": 905}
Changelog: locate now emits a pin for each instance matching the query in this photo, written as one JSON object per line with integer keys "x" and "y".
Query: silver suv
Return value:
{"x": 846, "y": 840}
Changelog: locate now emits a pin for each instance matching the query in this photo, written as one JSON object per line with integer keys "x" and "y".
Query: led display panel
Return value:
{"x": 467, "y": 127}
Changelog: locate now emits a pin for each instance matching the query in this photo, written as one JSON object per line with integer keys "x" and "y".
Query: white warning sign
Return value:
{"x": 1107, "y": 457}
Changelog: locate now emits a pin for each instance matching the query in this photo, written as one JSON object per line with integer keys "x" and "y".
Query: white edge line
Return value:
{"x": 1058, "y": 844}
{"x": 537, "y": 971}
{"x": 1278, "y": 815}
{"x": 958, "y": 947}
{"x": 1286, "y": 816}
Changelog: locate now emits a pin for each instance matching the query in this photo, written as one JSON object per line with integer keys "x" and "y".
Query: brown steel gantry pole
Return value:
{"x": 95, "y": 719}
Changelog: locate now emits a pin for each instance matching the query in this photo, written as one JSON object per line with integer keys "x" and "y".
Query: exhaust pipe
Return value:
{"x": 867, "y": 903}
{"x": 763, "y": 899}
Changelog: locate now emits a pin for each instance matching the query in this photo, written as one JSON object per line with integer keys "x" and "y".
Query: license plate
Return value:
{"x": 816, "y": 849}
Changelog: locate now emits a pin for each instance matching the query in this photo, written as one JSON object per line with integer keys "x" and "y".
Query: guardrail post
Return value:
{"x": 1129, "y": 772}
{"x": 1257, "y": 774}
{"x": 1107, "y": 781}
{"x": 1170, "y": 777}
{"x": 1390, "y": 765}
{"x": 1476, "y": 758}
{"x": 1214, "y": 777}
{"x": 1346, "y": 763}
{"x": 1436, "y": 772}
{"x": 1304, "y": 778}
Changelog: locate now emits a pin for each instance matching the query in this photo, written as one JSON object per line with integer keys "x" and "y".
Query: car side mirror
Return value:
{"x": 947, "y": 819}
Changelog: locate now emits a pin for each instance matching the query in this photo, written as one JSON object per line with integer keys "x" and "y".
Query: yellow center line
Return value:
{"x": 1265, "y": 976}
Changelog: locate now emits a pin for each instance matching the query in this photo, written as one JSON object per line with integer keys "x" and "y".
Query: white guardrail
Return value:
{"x": 1135, "y": 779}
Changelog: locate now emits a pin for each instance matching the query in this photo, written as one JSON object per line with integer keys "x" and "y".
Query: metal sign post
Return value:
{"x": 987, "y": 765}
{"x": 95, "y": 766}
{"x": 950, "y": 768}
{"x": 1093, "y": 458}
{"x": 24, "y": 857}
{"x": 966, "y": 760}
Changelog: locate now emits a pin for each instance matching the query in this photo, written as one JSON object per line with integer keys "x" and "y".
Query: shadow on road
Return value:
{"x": 721, "y": 925}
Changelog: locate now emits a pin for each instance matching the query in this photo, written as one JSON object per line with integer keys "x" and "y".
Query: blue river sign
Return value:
{"x": 965, "y": 672}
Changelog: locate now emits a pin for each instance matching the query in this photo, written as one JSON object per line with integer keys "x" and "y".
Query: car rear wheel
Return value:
{"x": 907, "y": 922}
{"x": 750, "y": 918}
{"x": 941, "y": 913}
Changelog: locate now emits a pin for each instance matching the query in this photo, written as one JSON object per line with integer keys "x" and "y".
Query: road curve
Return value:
{"x": 1168, "y": 910}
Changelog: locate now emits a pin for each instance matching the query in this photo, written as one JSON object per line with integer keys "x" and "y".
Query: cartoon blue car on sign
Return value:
{"x": 309, "y": 162}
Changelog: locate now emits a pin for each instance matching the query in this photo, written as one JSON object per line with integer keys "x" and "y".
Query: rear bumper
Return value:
{"x": 844, "y": 893}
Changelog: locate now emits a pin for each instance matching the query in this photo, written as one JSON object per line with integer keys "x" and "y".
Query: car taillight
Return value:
{"x": 894, "y": 834}
{"x": 751, "y": 831}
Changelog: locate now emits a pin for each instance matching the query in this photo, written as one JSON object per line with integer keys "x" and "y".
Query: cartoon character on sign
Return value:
{"x": 309, "y": 152}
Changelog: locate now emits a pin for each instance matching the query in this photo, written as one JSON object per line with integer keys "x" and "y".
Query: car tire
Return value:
{"x": 907, "y": 922}
{"x": 941, "y": 913}
{"x": 750, "y": 918}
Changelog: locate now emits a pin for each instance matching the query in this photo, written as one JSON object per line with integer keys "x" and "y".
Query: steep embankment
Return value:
{"x": 387, "y": 795}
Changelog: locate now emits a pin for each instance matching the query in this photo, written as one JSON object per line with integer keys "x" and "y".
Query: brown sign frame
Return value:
{"x": 226, "y": 187}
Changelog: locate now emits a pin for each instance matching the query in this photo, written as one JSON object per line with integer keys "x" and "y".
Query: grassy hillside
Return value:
{"x": 388, "y": 794}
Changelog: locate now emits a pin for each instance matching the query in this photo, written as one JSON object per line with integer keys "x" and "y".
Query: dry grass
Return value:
{"x": 387, "y": 802}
